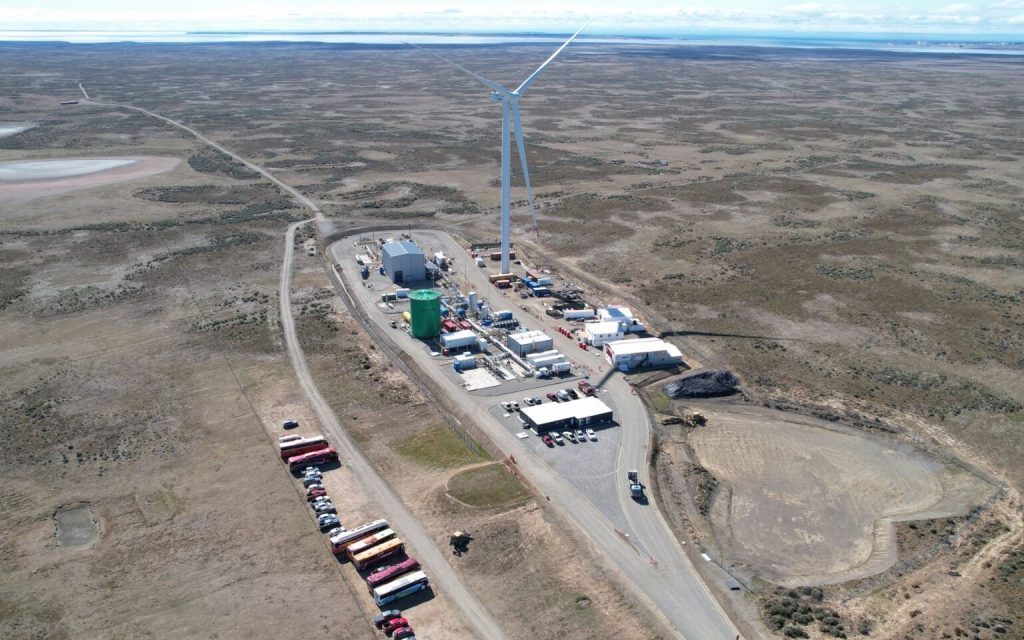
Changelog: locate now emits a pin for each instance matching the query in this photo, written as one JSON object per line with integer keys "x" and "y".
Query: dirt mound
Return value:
{"x": 703, "y": 384}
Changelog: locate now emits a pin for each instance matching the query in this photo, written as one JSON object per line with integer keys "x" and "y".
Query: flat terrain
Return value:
{"x": 808, "y": 503}
{"x": 841, "y": 229}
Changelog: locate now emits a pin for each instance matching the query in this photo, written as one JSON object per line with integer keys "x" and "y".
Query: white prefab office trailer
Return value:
{"x": 529, "y": 342}
{"x": 559, "y": 415}
{"x": 458, "y": 339}
{"x": 403, "y": 262}
{"x": 627, "y": 355}
{"x": 597, "y": 333}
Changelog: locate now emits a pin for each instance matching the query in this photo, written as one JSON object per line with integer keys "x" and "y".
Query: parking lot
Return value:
{"x": 591, "y": 466}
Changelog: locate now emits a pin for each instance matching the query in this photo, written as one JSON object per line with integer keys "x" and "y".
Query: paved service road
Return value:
{"x": 648, "y": 555}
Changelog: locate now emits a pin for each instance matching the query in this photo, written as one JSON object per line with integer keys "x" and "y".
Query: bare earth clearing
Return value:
{"x": 809, "y": 504}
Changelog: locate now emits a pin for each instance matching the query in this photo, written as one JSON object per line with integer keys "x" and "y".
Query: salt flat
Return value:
{"x": 52, "y": 169}
{"x": 11, "y": 128}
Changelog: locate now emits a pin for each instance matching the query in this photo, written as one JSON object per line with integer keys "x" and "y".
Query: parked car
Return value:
{"x": 313, "y": 494}
{"x": 547, "y": 440}
{"x": 309, "y": 481}
{"x": 569, "y": 435}
{"x": 397, "y": 623}
{"x": 562, "y": 395}
{"x": 381, "y": 619}
{"x": 528, "y": 401}
{"x": 324, "y": 507}
{"x": 328, "y": 521}
{"x": 506, "y": 405}
{"x": 592, "y": 435}
{"x": 289, "y": 424}
{"x": 580, "y": 436}
{"x": 558, "y": 438}
{"x": 402, "y": 634}
{"x": 515, "y": 405}
{"x": 336, "y": 531}
{"x": 553, "y": 397}
{"x": 537, "y": 400}
{"x": 572, "y": 394}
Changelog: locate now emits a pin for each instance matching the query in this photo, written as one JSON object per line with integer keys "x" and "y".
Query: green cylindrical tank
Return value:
{"x": 425, "y": 307}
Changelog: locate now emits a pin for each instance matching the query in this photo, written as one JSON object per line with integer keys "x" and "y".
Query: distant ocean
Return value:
{"x": 904, "y": 43}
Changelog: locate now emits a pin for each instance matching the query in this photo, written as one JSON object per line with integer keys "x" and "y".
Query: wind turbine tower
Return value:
{"x": 511, "y": 123}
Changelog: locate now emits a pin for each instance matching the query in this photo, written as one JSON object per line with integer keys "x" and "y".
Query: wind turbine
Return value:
{"x": 511, "y": 122}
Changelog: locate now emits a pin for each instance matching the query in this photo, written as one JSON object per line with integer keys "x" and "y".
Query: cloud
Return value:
{"x": 954, "y": 9}
{"x": 610, "y": 16}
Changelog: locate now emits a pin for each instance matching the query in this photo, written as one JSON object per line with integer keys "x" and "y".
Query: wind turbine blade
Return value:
{"x": 489, "y": 83}
{"x": 521, "y": 146}
{"x": 533, "y": 76}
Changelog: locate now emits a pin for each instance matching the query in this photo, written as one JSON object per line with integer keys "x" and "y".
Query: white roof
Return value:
{"x": 615, "y": 311}
{"x": 529, "y": 337}
{"x": 603, "y": 328}
{"x": 458, "y": 336}
{"x": 642, "y": 345}
{"x": 586, "y": 407}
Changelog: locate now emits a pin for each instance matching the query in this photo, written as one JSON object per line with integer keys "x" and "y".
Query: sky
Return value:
{"x": 618, "y": 17}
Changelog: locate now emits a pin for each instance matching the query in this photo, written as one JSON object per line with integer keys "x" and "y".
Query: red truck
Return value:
{"x": 586, "y": 388}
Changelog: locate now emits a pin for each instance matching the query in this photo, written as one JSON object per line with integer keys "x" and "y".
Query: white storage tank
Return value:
{"x": 458, "y": 339}
{"x": 579, "y": 314}
{"x": 401, "y": 293}
{"x": 471, "y": 299}
{"x": 540, "y": 355}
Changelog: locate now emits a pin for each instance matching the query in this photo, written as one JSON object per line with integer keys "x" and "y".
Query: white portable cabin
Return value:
{"x": 627, "y": 355}
{"x": 529, "y": 342}
{"x": 597, "y": 333}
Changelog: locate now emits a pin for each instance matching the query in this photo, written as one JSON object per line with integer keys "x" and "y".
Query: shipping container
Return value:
{"x": 503, "y": 284}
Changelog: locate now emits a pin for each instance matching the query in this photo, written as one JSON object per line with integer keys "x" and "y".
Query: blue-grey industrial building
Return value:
{"x": 403, "y": 262}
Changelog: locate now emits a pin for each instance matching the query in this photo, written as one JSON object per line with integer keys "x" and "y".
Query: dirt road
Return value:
{"x": 301, "y": 199}
{"x": 376, "y": 487}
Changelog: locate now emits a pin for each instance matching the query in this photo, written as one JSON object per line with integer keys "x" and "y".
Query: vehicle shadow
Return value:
{"x": 411, "y": 601}
{"x": 329, "y": 466}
